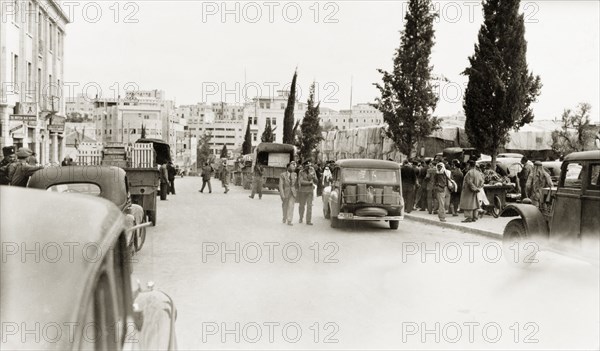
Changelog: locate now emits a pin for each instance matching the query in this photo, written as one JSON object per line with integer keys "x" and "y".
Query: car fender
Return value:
{"x": 159, "y": 316}
{"x": 334, "y": 203}
{"x": 533, "y": 219}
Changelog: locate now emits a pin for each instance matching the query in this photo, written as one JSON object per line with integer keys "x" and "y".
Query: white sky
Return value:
{"x": 186, "y": 49}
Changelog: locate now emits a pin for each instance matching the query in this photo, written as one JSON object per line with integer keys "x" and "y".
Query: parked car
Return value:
{"x": 567, "y": 220}
{"x": 73, "y": 288}
{"x": 364, "y": 190}
{"x": 102, "y": 181}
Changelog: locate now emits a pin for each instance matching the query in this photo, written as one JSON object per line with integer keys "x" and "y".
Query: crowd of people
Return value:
{"x": 449, "y": 187}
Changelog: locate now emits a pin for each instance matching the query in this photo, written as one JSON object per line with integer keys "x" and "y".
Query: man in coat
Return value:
{"x": 225, "y": 176}
{"x": 20, "y": 171}
{"x": 257, "y": 181}
{"x": 164, "y": 181}
{"x": 429, "y": 188}
{"x": 472, "y": 183}
{"x": 207, "y": 172}
{"x": 287, "y": 190}
{"x": 457, "y": 177}
{"x": 307, "y": 177}
{"x": 409, "y": 185}
{"x": 171, "y": 172}
{"x": 524, "y": 175}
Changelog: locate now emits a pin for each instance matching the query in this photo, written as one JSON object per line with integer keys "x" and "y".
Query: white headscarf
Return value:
{"x": 443, "y": 170}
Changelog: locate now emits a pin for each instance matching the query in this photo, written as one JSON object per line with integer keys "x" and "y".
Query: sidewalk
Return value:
{"x": 487, "y": 226}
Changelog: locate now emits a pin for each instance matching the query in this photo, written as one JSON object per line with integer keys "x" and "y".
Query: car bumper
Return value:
{"x": 352, "y": 217}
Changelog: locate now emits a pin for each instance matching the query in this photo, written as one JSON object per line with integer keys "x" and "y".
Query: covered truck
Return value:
{"x": 274, "y": 158}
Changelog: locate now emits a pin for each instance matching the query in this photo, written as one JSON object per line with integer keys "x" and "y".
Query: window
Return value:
{"x": 30, "y": 87}
{"x": 40, "y": 26}
{"x": 249, "y": 120}
{"x": 262, "y": 105}
{"x": 79, "y": 188}
{"x": 282, "y": 106}
{"x": 30, "y": 18}
{"x": 268, "y": 120}
{"x": 274, "y": 121}
{"x": 594, "y": 175}
{"x": 254, "y": 136}
{"x": 255, "y": 120}
{"x": 572, "y": 177}
{"x": 268, "y": 105}
{"x": 50, "y": 36}
{"x": 15, "y": 72}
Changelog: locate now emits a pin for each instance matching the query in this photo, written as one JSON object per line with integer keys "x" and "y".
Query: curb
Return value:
{"x": 436, "y": 222}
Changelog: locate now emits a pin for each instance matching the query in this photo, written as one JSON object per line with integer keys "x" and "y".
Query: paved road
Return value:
{"x": 359, "y": 287}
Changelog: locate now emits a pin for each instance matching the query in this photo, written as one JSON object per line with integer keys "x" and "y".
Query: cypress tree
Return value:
{"x": 288, "y": 119}
{"x": 267, "y": 136}
{"x": 247, "y": 144}
{"x": 500, "y": 89}
{"x": 310, "y": 130}
{"x": 224, "y": 153}
{"x": 407, "y": 93}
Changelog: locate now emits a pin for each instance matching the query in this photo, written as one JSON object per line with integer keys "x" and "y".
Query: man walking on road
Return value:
{"x": 225, "y": 176}
{"x": 171, "y": 172}
{"x": 207, "y": 172}
{"x": 288, "y": 192}
{"x": 306, "y": 180}
{"x": 164, "y": 181}
{"x": 472, "y": 183}
{"x": 257, "y": 181}
{"x": 409, "y": 185}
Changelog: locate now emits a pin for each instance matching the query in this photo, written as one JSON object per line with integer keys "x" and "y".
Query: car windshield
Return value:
{"x": 357, "y": 175}
{"x": 80, "y": 188}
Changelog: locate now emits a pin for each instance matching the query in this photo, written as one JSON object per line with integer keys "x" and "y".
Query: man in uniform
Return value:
{"x": 288, "y": 192}
{"x": 257, "y": 181}
{"x": 207, "y": 172}
{"x": 19, "y": 172}
{"x": 306, "y": 180}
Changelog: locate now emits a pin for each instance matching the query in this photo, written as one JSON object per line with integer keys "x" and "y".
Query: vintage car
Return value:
{"x": 364, "y": 190}
{"x": 65, "y": 281}
{"x": 273, "y": 157}
{"x": 567, "y": 221}
{"x": 103, "y": 181}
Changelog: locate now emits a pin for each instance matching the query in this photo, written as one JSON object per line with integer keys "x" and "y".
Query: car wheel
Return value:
{"x": 140, "y": 236}
{"x": 335, "y": 222}
{"x": 326, "y": 211}
{"x": 497, "y": 207}
{"x": 394, "y": 224}
{"x": 515, "y": 246}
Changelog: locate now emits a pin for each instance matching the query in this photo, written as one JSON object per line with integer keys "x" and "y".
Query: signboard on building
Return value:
{"x": 23, "y": 118}
{"x": 26, "y": 108}
{"x": 12, "y": 130}
{"x": 57, "y": 124}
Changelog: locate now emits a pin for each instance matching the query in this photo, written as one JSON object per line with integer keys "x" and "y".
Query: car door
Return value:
{"x": 590, "y": 207}
{"x": 566, "y": 219}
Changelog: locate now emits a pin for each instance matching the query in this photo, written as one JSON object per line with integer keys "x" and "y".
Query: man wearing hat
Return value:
{"x": 225, "y": 176}
{"x": 307, "y": 177}
{"x": 19, "y": 172}
{"x": 472, "y": 183}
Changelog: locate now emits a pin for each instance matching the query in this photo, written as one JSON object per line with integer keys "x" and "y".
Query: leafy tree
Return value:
{"x": 576, "y": 133}
{"x": 224, "y": 152}
{"x": 500, "y": 89}
{"x": 247, "y": 144}
{"x": 267, "y": 136}
{"x": 288, "y": 119}
{"x": 310, "y": 130}
{"x": 204, "y": 152}
{"x": 407, "y": 92}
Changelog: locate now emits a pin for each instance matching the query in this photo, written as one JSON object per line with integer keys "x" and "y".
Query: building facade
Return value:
{"x": 263, "y": 110}
{"x": 32, "y": 36}
{"x": 81, "y": 106}
{"x": 361, "y": 115}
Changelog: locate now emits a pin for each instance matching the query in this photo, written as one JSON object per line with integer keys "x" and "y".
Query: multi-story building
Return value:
{"x": 263, "y": 110}
{"x": 361, "y": 115}
{"x": 195, "y": 117}
{"x": 228, "y": 133}
{"x": 227, "y": 112}
{"x": 81, "y": 106}
{"x": 32, "y": 35}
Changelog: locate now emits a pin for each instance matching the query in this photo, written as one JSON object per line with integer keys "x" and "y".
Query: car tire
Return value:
{"x": 394, "y": 224}
{"x": 326, "y": 211}
{"x": 514, "y": 245}
{"x": 497, "y": 207}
